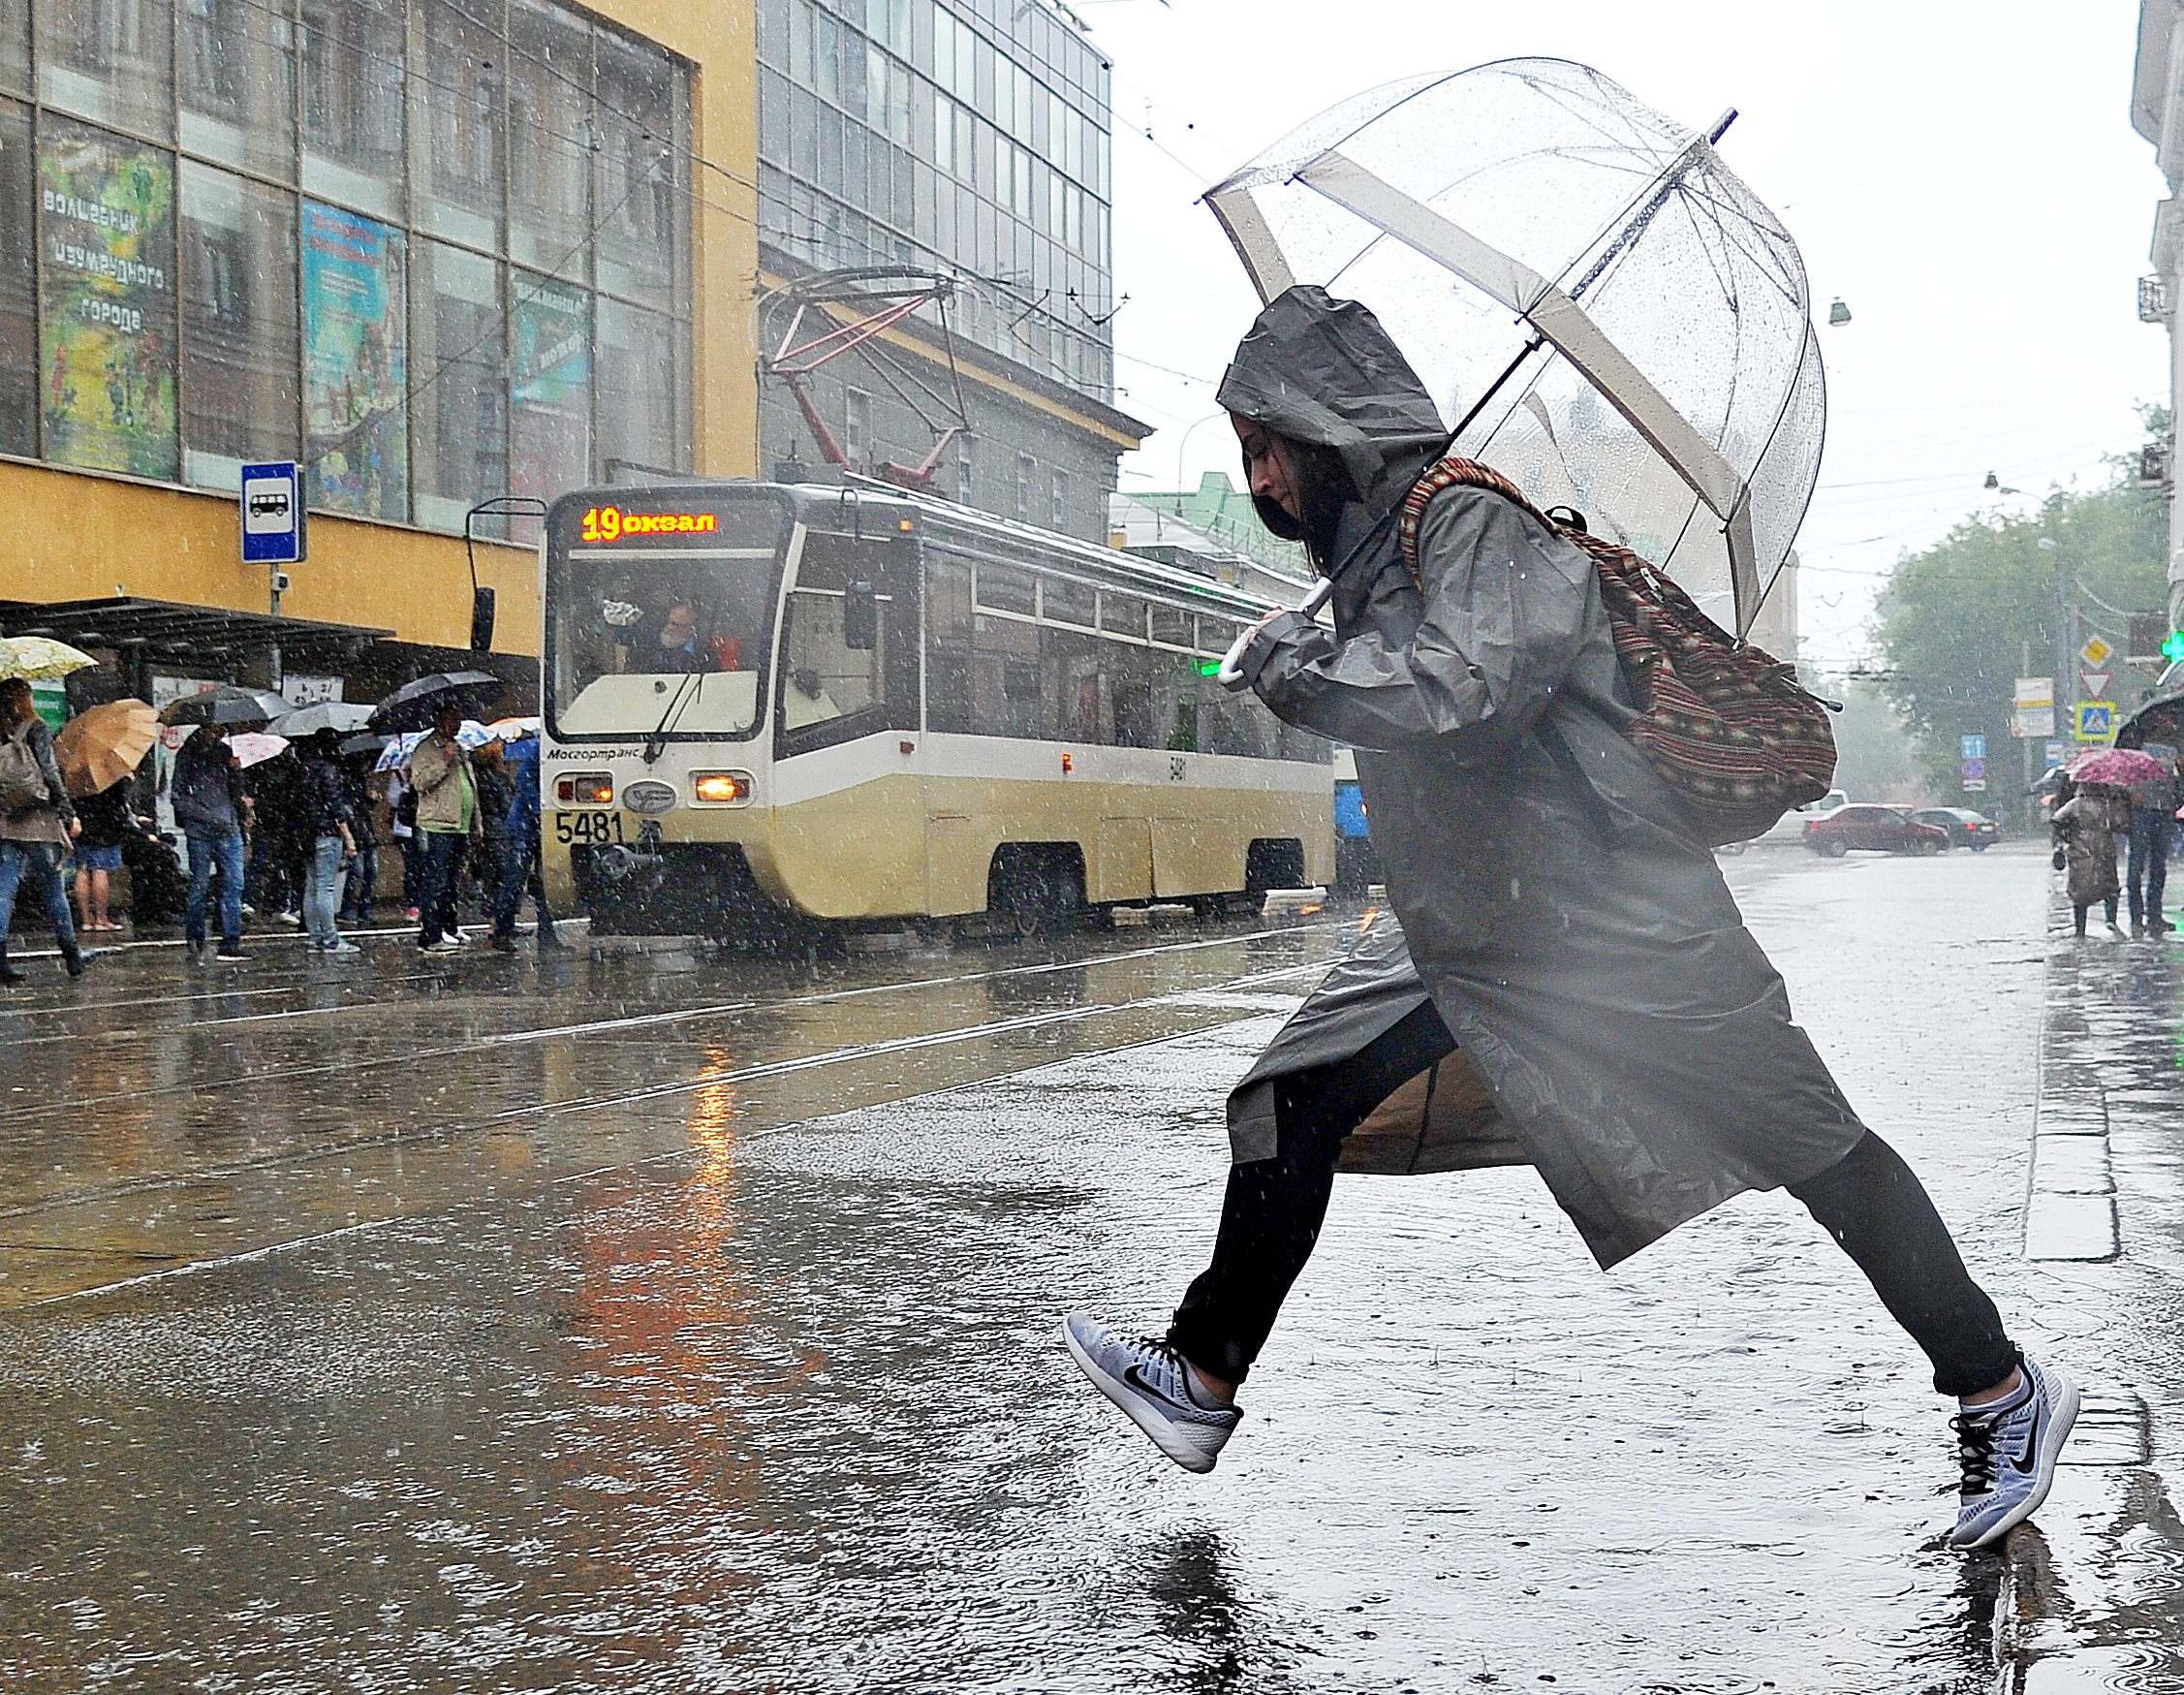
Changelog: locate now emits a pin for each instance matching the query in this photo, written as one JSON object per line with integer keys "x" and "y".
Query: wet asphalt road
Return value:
{"x": 661, "y": 1323}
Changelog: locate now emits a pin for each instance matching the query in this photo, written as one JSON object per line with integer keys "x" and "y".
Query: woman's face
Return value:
{"x": 1266, "y": 466}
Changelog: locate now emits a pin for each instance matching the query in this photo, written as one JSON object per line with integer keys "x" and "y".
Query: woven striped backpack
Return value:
{"x": 1725, "y": 724}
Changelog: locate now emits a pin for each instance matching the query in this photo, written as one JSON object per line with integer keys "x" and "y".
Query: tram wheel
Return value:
{"x": 1036, "y": 891}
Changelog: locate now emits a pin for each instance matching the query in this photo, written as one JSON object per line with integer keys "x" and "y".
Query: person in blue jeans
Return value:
{"x": 520, "y": 851}
{"x": 35, "y": 835}
{"x": 332, "y": 845}
{"x": 211, "y": 809}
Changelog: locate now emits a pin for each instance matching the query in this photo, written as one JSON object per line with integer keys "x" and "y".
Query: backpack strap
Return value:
{"x": 1449, "y": 473}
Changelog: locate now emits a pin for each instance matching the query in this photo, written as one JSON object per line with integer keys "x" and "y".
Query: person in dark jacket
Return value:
{"x": 35, "y": 835}
{"x": 360, "y": 886}
{"x": 334, "y": 843}
{"x": 520, "y": 851}
{"x": 211, "y": 808}
{"x": 1567, "y": 930}
{"x": 2153, "y": 827}
{"x": 281, "y": 838}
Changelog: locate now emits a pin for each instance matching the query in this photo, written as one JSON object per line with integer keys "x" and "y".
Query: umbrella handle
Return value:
{"x": 1231, "y": 676}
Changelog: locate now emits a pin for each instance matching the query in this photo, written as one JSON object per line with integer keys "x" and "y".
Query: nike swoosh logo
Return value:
{"x": 1138, "y": 1383}
{"x": 2024, "y": 1462}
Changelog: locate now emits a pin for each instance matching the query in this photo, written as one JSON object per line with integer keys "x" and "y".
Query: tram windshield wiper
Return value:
{"x": 686, "y": 692}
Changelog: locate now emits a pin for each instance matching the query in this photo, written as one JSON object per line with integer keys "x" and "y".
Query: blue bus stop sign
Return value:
{"x": 272, "y": 514}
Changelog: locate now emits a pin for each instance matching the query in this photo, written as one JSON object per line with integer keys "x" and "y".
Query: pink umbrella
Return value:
{"x": 2119, "y": 767}
{"x": 255, "y": 747}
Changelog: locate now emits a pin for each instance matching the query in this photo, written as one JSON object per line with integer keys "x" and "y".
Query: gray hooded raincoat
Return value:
{"x": 1576, "y": 937}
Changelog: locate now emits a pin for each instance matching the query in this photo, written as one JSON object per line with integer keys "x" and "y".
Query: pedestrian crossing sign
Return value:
{"x": 2096, "y": 720}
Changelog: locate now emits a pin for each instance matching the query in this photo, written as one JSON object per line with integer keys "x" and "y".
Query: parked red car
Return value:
{"x": 1885, "y": 830}
{"x": 1966, "y": 827}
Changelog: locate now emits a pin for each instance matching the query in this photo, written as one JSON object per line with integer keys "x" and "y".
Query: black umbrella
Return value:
{"x": 368, "y": 742}
{"x": 415, "y": 704}
{"x": 226, "y": 703}
{"x": 2160, "y": 719}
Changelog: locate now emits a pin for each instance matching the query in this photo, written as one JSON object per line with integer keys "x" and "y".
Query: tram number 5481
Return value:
{"x": 597, "y": 828}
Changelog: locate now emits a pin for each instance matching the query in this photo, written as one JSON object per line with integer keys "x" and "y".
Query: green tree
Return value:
{"x": 1954, "y": 621}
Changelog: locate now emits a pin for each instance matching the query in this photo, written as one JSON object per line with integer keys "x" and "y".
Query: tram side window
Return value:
{"x": 822, "y": 676}
{"x": 950, "y": 695}
{"x": 1005, "y": 691}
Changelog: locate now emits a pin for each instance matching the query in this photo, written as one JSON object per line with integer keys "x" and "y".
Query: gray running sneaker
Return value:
{"x": 2008, "y": 1456}
{"x": 1149, "y": 1381}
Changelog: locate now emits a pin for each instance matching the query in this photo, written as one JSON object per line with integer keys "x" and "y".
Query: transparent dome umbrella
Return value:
{"x": 1614, "y": 319}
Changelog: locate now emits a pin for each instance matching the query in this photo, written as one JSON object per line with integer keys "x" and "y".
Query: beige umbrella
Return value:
{"x": 98, "y": 748}
{"x": 39, "y": 656}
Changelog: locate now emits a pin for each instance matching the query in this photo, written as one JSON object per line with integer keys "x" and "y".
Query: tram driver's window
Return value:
{"x": 822, "y": 676}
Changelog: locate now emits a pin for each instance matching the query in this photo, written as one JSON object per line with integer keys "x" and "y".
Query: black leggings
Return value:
{"x": 1868, "y": 1201}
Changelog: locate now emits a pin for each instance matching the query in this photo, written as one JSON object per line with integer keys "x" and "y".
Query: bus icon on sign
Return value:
{"x": 268, "y": 504}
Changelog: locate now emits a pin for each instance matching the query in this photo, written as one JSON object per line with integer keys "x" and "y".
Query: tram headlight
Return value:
{"x": 584, "y": 789}
{"x": 721, "y": 788}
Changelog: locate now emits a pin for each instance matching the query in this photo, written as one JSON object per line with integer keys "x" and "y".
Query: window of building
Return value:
{"x": 18, "y": 283}
{"x": 236, "y": 69}
{"x": 353, "y": 117}
{"x": 550, "y": 386}
{"x": 1027, "y": 478}
{"x": 1058, "y": 502}
{"x": 459, "y": 399}
{"x": 966, "y": 469}
{"x": 242, "y": 397}
{"x": 111, "y": 61}
{"x": 856, "y": 429}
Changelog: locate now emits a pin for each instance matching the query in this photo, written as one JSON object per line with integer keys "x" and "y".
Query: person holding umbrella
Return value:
{"x": 447, "y": 817}
{"x": 98, "y": 752}
{"x": 211, "y": 808}
{"x": 37, "y": 823}
{"x": 333, "y": 844}
{"x": 1569, "y": 930}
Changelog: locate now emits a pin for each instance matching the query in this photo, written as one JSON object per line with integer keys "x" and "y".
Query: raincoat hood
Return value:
{"x": 1322, "y": 371}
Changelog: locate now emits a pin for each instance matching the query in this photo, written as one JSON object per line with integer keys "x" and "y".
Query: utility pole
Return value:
{"x": 2024, "y": 669}
{"x": 2066, "y": 642}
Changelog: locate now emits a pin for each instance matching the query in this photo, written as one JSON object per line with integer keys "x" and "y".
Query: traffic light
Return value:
{"x": 2172, "y": 645}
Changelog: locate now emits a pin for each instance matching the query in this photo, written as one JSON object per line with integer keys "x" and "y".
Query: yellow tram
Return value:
{"x": 768, "y": 706}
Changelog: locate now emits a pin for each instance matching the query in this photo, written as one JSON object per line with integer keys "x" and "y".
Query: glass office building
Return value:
{"x": 969, "y": 139}
{"x": 441, "y": 249}
{"x": 972, "y": 137}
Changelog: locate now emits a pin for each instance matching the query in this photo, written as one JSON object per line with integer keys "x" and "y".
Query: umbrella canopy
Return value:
{"x": 396, "y": 753}
{"x": 255, "y": 747}
{"x": 2119, "y": 767}
{"x": 338, "y": 715}
{"x": 511, "y": 728}
{"x": 226, "y": 703}
{"x": 96, "y": 749}
{"x": 415, "y": 704}
{"x": 37, "y": 657}
{"x": 369, "y": 741}
{"x": 1619, "y": 322}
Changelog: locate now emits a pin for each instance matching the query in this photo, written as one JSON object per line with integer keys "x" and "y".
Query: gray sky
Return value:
{"x": 1964, "y": 175}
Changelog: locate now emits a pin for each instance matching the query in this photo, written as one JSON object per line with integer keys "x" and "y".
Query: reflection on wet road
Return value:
{"x": 651, "y": 1323}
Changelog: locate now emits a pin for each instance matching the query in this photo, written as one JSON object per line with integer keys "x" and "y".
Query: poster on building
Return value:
{"x": 549, "y": 387}
{"x": 107, "y": 267}
{"x": 355, "y": 360}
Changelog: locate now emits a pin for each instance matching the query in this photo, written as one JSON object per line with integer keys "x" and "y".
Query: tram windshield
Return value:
{"x": 659, "y": 615}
